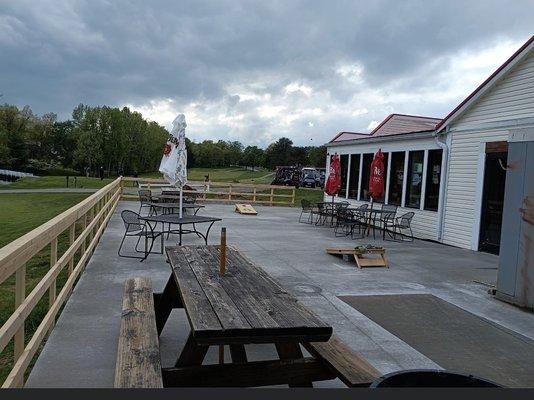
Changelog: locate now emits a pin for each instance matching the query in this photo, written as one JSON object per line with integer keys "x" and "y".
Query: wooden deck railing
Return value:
{"x": 226, "y": 191}
{"x": 85, "y": 223}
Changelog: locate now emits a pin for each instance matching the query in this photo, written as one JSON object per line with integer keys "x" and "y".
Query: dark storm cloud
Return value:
{"x": 254, "y": 70}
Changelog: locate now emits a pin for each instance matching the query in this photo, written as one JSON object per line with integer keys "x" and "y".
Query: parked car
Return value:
{"x": 309, "y": 178}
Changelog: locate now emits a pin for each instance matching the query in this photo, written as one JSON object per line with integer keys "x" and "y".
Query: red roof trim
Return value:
{"x": 481, "y": 86}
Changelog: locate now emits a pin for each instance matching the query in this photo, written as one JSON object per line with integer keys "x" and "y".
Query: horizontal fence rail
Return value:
{"x": 223, "y": 191}
{"x": 84, "y": 224}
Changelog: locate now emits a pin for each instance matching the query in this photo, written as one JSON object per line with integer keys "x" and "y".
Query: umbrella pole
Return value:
{"x": 181, "y": 199}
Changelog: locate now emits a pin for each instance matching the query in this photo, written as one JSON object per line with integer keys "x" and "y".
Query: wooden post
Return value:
{"x": 222, "y": 263}
{"x": 72, "y": 235}
{"x": 230, "y": 191}
{"x": 222, "y": 270}
{"x": 20, "y": 295}
{"x": 271, "y": 197}
{"x": 293, "y": 196}
{"x": 254, "y": 195}
{"x": 52, "y": 288}
{"x": 84, "y": 226}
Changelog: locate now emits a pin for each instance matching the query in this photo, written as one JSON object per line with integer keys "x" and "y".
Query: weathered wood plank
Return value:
{"x": 165, "y": 301}
{"x": 252, "y": 374}
{"x": 199, "y": 311}
{"x": 207, "y": 274}
{"x": 344, "y": 362}
{"x": 138, "y": 358}
{"x": 287, "y": 310}
{"x": 192, "y": 353}
{"x": 292, "y": 351}
{"x": 251, "y": 307}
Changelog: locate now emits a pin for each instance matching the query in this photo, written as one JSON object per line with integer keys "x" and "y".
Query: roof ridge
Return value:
{"x": 485, "y": 82}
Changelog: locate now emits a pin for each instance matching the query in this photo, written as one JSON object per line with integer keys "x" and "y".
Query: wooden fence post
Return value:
{"x": 271, "y": 197}
{"x": 293, "y": 196}
{"x": 230, "y": 192}
{"x": 72, "y": 236}
{"x": 20, "y": 295}
{"x": 254, "y": 195}
{"x": 52, "y": 289}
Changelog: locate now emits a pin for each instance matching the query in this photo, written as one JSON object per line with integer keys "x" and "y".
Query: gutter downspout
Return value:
{"x": 443, "y": 182}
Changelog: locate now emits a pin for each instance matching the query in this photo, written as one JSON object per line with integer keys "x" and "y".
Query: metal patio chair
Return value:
{"x": 401, "y": 225}
{"x": 145, "y": 197}
{"x": 135, "y": 227}
{"x": 347, "y": 221}
{"x": 307, "y": 208}
{"x": 387, "y": 218}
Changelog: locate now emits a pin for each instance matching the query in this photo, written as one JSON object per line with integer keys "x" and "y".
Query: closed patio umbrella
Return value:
{"x": 376, "y": 177}
{"x": 174, "y": 162}
{"x": 333, "y": 183}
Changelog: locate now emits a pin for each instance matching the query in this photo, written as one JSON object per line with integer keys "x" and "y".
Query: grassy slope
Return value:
{"x": 49, "y": 182}
{"x": 20, "y": 213}
{"x": 235, "y": 174}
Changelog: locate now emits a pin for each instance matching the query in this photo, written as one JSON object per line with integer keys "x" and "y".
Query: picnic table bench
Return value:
{"x": 244, "y": 306}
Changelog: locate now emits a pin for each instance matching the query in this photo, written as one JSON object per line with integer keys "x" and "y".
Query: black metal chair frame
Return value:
{"x": 145, "y": 197}
{"x": 307, "y": 208}
{"x": 387, "y": 218}
{"x": 348, "y": 220}
{"x": 135, "y": 227}
{"x": 403, "y": 222}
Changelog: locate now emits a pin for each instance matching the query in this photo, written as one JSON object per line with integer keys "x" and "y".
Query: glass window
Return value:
{"x": 344, "y": 161}
{"x": 354, "y": 175}
{"x": 396, "y": 178}
{"x": 386, "y": 157}
{"x": 415, "y": 177}
{"x": 433, "y": 177}
{"x": 366, "y": 172}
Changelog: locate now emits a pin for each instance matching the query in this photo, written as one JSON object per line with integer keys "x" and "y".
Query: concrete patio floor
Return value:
{"x": 81, "y": 350}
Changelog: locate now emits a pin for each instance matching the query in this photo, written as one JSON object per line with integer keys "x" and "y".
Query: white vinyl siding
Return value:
{"x": 511, "y": 98}
{"x": 461, "y": 207}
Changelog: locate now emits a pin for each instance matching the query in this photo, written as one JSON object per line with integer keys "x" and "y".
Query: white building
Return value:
{"x": 463, "y": 205}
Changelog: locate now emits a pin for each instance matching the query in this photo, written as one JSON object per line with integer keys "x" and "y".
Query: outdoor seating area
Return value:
{"x": 275, "y": 317}
{"x": 358, "y": 222}
{"x": 164, "y": 209}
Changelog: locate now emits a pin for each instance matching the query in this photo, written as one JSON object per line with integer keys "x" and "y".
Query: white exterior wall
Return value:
{"x": 507, "y": 105}
{"x": 464, "y": 186}
{"x": 511, "y": 98}
{"x": 424, "y": 223}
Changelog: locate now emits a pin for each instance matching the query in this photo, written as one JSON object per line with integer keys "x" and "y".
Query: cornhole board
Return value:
{"x": 361, "y": 256}
{"x": 245, "y": 209}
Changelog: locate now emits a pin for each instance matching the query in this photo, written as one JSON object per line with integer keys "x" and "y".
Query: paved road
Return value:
{"x": 54, "y": 190}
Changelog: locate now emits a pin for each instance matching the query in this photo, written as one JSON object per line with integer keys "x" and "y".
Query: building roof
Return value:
{"x": 487, "y": 84}
{"x": 394, "y": 124}
{"x": 342, "y": 136}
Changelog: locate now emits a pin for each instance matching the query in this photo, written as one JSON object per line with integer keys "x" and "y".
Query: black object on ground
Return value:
{"x": 430, "y": 378}
{"x": 455, "y": 339}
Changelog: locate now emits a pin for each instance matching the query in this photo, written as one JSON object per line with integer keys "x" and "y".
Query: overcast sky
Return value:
{"x": 256, "y": 71}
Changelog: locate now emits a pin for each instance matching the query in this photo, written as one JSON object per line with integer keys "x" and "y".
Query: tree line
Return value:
{"x": 121, "y": 141}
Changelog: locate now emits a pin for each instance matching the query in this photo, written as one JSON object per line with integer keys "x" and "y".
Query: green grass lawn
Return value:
{"x": 19, "y": 214}
{"x": 313, "y": 195}
{"x": 235, "y": 174}
{"x": 52, "y": 182}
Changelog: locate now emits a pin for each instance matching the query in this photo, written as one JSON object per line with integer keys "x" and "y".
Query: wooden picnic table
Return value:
{"x": 243, "y": 306}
